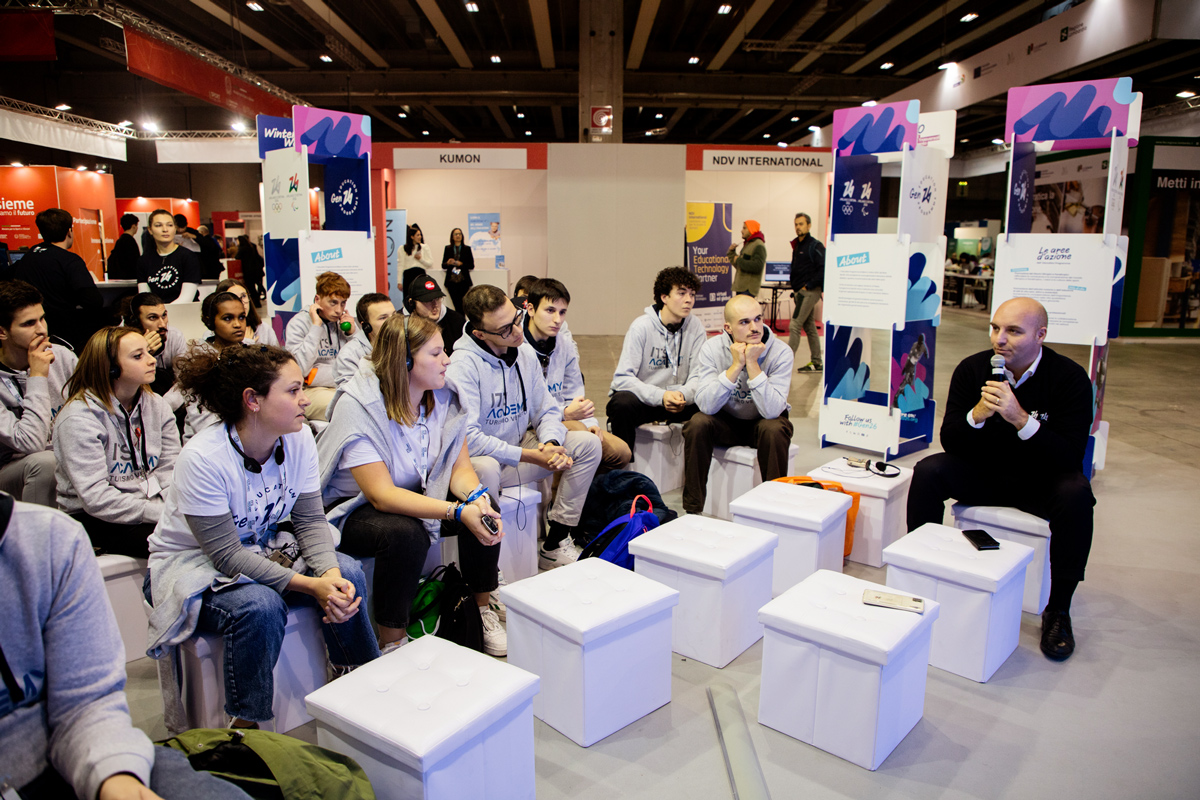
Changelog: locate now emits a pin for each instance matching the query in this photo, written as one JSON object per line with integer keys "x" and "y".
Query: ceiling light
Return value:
{"x": 495, "y": 59}
{"x": 658, "y": 116}
{"x": 238, "y": 126}
{"x": 648, "y": 133}
{"x": 327, "y": 59}
{"x": 693, "y": 60}
{"x": 998, "y": 141}
{"x": 473, "y": 7}
{"x": 795, "y": 119}
{"x": 100, "y": 168}
{"x": 963, "y": 140}
{"x": 969, "y": 18}
{"x": 870, "y": 104}
{"x": 150, "y": 126}
{"x": 782, "y": 144}
{"x": 886, "y": 65}
{"x": 947, "y": 65}
{"x": 62, "y": 107}
{"x": 813, "y": 128}
{"x": 17, "y": 164}
{"x": 529, "y": 133}
{"x": 189, "y": 200}
{"x": 81, "y": 169}
{"x": 766, "y": 136}
{"x": 402, "y": 115}
{"x": 424, "y": 133}
{"x": 520, "y": 115}
{"x": 724, "y": 8}
{"x": 124, "y": 123}
{"x": 1185, "y": 94}
{"x": 253, "y": 6}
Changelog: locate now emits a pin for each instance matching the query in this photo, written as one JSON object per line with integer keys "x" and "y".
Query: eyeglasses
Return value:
{"x": 507, "y": 330}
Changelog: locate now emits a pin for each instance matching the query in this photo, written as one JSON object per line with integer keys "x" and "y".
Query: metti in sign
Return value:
{"x": 854, "y": 260}
{"x": 321, "y": 256}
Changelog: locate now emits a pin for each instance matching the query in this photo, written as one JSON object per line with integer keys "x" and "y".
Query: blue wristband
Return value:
{"x": 458, "y": 512}
{"x": 476, "y": 493}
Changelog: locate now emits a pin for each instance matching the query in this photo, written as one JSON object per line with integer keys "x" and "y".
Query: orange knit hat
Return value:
{"x": 753, "y": 226}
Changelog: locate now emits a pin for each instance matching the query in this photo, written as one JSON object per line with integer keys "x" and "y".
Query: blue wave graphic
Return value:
{"x": 333, "y": 140}
{"x": 870, "y": 135}
{"x": 1057, "y": 118}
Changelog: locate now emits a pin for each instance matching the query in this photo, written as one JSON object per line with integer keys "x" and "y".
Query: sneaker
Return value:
{"x": 391, "y": 647}
{"x": 339, "y": 670}
{"x": 810, "y": 367}
{"x": 495, "y": 639}
{"x": 566, "y": 553}
{"x": 494, "y": 602}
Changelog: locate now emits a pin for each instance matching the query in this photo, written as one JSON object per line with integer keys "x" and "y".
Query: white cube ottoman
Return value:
{"x": 123, "y": 578}
{"x": 723, "y": 574}
{"x": 811, "y": 524}
{"x": 658, "y": 454}
{"x": 433, "y": 721}
{"x": 979, "y": 591}
{"x": 301, "y": 668}
{"x": 733, "y": 472}
{"x": 520, "y": 510}
{"x": 882, "y": 507}
{"x": 599, "y": 636}
{"x": 1012, "y": 525}
{"x": 840, "y": 675}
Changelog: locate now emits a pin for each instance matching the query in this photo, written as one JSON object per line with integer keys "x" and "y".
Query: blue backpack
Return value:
{"x": 612, "y": 543}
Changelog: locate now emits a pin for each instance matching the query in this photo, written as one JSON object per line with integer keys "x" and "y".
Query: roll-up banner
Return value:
{"x": 709, "y": 228}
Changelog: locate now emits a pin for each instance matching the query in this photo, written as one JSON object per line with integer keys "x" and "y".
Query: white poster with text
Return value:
{"x": 866, "y": 280}
{"x": 863, "y": 425}
{"x": 285, "y": 193}
{"x": 350, "y": 254}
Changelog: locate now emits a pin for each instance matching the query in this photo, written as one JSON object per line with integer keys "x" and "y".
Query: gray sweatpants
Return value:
{"x": 584, "y": 450}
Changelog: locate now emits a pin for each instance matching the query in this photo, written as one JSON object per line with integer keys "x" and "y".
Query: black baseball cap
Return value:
{"x": 424, "y": 288}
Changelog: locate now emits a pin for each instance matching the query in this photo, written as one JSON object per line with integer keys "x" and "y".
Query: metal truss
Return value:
{"x": 83, "y": 123}
{"x": 773, "y": 45}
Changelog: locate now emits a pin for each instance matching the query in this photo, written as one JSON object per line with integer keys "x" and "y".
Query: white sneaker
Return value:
{"x": 494, "y": 601}
{"x": 391, "y": 647}
{"x": 495, "y": 639}
{"x": 566, "y": 553}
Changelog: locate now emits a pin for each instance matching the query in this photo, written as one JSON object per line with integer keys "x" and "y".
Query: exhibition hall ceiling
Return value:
{"x": 695, "y": 71}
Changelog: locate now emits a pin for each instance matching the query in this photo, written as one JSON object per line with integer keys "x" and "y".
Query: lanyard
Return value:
{"x": 422, "y": 465}
{"x": 129, "y": 432}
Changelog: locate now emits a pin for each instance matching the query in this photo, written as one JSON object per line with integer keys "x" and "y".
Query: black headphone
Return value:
{"x": 366, "y": 326}
{"x": 249, "y": 463}
{"x": 114, "y": 369}
{"x": 880, "y": 468}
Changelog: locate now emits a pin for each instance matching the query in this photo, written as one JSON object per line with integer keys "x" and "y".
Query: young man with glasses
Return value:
{"x": 515, "y": 430}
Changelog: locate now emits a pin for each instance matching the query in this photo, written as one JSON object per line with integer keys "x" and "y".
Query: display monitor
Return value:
{"x": 777, "y": 272}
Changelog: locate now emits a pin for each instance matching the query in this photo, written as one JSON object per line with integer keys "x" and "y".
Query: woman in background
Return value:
{"x": 458, "y": 261}
{"x": 414, "y": 258}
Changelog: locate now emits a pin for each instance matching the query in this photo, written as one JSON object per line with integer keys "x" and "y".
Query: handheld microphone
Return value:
{"x": 998, "y": 368}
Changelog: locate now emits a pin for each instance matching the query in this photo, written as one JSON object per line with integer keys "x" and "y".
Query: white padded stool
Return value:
{"x": 433, "y": 721}
{"x": 841, "y": 675}
{"x": 723, "y": 574}
{"x": 733, "y": 472}
{"x": 520, "y": 507}
{"x": 123, "y": 577}
{"x": 882, "y": 507}
{"x": 811, "y": 524}
{"x": 600, "y": 638}
{"x": 658, "y": 454}
{"x": 979, "y": 591}
{"x": 299, "y": 670}
{"x": 1012, "y": 525}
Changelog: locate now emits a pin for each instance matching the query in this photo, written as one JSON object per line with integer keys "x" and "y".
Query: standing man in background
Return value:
{"x": 753, "y": 260}
{"x": 808, "y": 280}
{"x": 122, "y": 261}
{"x": 69, "y": 294}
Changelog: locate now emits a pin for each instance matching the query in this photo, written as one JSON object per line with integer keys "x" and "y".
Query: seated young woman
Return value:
{"x": 396, "y": 446}
{"x": 115, "y": 443}
{"x": 257, "y": 330}
{"x": 243, "y": 535}
{"x": 225, "y": 315}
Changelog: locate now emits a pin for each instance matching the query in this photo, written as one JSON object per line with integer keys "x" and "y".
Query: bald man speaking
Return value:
{"x": 742, "y": 382}
{"x": 1019, "y": 441}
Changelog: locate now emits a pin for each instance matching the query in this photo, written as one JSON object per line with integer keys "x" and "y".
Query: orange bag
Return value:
{"x": 832, "y": 486}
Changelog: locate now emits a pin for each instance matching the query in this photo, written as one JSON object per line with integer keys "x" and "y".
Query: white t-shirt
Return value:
{"x": 414, "y": 449}
{"x": 211, "y": 479}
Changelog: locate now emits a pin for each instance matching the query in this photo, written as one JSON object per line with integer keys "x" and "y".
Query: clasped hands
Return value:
{"x": 335, "y": 595}
{"x": 997, "y": 397}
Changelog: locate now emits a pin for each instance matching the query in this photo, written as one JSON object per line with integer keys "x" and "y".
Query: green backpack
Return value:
{"x": 271, "y": 766}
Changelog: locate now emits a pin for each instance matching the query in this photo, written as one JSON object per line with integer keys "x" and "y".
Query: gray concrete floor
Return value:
{"x": 1113, "y": 721}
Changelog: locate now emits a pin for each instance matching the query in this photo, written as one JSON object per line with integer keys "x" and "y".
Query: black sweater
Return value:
{"x": 1060, "y": 393}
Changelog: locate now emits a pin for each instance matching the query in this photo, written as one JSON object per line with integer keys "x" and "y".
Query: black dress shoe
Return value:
{"x": 1058, "y": 642}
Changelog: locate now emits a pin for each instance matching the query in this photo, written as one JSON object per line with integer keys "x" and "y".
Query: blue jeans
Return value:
{"x": 171, "y": 777}
{"x": 251, "y": 617}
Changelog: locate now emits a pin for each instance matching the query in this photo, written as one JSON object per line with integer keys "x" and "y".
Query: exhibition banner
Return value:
{"x": 863, "y": 425}
{"x": 912, "y": 377}
{"x": 168, "y": 66}
{"x": 24, "y": 191}
{"x": 274, "y": 133}
{"x": 1118, "y": 171}
{"x": 285, "y": 193}
{"x": 924, "y": 178}
{"x": 347, "y": 194}
{"x": 709, "y": 228}
{"x": 1071, "y": 276}
{"x": 926, "y": 277}
{"x": 1075, "y": 116}
{"x": 460, "y": 158}
{"x": 847, "y": 362}
{"x": 854, "y": 206}
{"x": 350, "y": 254}
{"x": 1099, "y": 375}
{"x": 282, "y": 257}
{"x": 483, "y": 234}
{"x": 883, "y": 128}
{"x": 28, "y": 36}
{"x": 324, "y": 134}
{"x": 28, "y": 129}
{"x": 793, "y": 159}
{"x": 866, "y": 280}
{"x": 1022, "y": 172}
{"x": 395, "y": 225}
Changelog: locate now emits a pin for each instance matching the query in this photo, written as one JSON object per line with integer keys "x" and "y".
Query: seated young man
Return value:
{"x": 316, "y": 338}
{"x": 546, "y": 332}
{"x": 371, "y": 311}
{"x": 1019, "y": 442}
{"x": 424, "y": 298}
{"x": 514, "y": 426}
{"x": 148, "y": 314}
{"x": 521, "y": 289}
{"x": 652, "y": 382}
{"x": 33, "y": 373}
{"x": 65, "y": 729}
{"x": 742, "y": 383}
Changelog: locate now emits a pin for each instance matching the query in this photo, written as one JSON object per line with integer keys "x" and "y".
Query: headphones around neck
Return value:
{"x": 249, "y": 463}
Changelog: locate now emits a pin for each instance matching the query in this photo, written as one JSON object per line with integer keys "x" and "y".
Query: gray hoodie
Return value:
{"x": 654, "y": 360}
{"x": 350, "y": 356}
{"x": 30, "y": 405}
{"x": 101, "y": 472}
{"x": 764, "y": 397}
{"x": 62, "y": 645}
{"x": 315, "y": 346}
{"x": 360, "y": 412}
{"x": 502, "y": 402}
